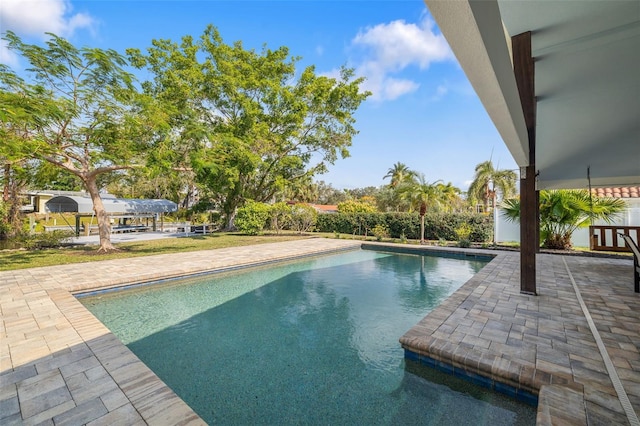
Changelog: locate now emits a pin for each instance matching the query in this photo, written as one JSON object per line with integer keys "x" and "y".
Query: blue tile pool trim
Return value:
{"x": 486, "y": 382}
{"x": 431, "y": 251}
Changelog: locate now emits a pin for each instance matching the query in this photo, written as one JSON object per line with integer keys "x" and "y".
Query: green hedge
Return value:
{"x": 437, "y": 225}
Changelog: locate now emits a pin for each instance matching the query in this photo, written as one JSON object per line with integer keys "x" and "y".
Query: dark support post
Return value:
{"x": 523, "y": 68}
{"x": 537, "y": 221}
{"x": 529, "y": 242}
{"x": 77, "y": 225}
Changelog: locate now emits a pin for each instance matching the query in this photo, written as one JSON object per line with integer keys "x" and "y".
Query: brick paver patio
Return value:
{"x": 60, "y": 365}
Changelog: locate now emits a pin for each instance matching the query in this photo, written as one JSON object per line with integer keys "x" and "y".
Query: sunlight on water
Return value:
{"x": 308, "y": 342}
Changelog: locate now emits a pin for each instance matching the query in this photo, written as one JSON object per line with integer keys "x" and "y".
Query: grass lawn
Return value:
{"x": 22, "y": 259}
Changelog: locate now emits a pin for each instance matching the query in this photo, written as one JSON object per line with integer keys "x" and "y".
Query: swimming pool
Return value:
{"x": 313, "y": 341}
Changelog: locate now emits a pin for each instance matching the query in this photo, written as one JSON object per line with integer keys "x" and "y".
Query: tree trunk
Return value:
{"x": 104, "y": 227}
{"x": 422, "y": 229}
{"x": 7, "y": 173}
{"x": 487, "y": 191}
{"x": 13, "y": 214}
{"x": 230, "y": 218}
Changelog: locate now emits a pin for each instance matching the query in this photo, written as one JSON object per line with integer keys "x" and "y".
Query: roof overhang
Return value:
{"x": 75, "y": 204}
{"x": 587, "y": 63}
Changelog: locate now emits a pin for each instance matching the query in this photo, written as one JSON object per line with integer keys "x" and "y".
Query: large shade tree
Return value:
{"x": 422, "y": 195}
{"x": 254, "y": 123}
{"x": 327, "y": 194}
{"x": 488, "y": 182}
{"x": 78, "y": 109}
{"x": 563, "y": 211}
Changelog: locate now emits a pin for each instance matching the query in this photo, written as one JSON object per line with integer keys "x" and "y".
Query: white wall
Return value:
{"x": 506, "y": 231}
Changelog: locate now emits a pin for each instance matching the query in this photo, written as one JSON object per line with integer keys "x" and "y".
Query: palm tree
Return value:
{"x": 450, "y": 196}
{"x": 488, "y": 181}
{"x": 563, "y": 211}
{"x": 421, "y": 195}
{"x": 399, "y": 174}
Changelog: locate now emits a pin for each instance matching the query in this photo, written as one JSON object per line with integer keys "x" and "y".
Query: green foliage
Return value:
{"x": 79, "y": 111}
{"x": 563, "y": 211}
{"x": 437, "y": 225}
{"x": 463, "y": 232}
{"x": 349, "y": 223}
{"x": 400, "y": 174}
{"x": 281, "y": 214}
{"x": 251, "y": 123}
{"x": 380, "y": 232}
{"x": 482, "y": 227}
{"x": 49, "y": 176}
{"x": 352, "y": 206}
{"x": 407, "y": 224}
{"x": 5, "y": 225}
{"x": 303, "y": 218}
{"x": 421, "y": 195}
{"x": 252, "y": 218}
{"x": 327, "y": 194}
{"x": 44, "y": 239}
{"x": 488, "y": 182}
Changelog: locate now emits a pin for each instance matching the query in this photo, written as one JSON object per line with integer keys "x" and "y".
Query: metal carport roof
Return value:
{"x": 74, "y": 204}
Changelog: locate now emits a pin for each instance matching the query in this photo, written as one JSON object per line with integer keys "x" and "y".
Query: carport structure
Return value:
{"x": 561, "y": 83}
{"x": 117, "y": 208}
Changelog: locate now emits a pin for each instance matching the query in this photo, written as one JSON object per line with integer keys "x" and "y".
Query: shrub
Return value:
{"x": 380, "y": 232}
{"x": 463, "y": 232}
{"x": 44, "y": 239}
{"x": 407, "y": 224}
{"x": 437, "y": 225}
{"x": 352, "y": 206}
{"x": 281, "y": 214}
{"x": 303, "y": 217}
{"x": 251, "y": 219}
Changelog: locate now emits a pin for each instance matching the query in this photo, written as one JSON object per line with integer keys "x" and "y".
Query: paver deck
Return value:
{"x": 60, "y": 365}
{"x": 544, "y": 344}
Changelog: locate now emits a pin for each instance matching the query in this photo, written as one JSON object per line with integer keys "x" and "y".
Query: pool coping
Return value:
{"x": 60, "y": 364}
{"x": 47, "y": 333}
{"x": 490, "y": 334}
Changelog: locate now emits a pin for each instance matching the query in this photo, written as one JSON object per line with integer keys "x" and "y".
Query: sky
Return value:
{"x": 423, "y": 112}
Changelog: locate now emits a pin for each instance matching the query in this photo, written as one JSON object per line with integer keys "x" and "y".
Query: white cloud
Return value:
{"x": 7, "y": 57}
{"x": 388, "y": 49}
{"x": 36, "y": 17}
{"x": 440, "y": 92}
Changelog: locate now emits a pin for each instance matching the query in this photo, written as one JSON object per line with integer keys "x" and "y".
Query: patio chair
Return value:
{"x": 636, "y": 260}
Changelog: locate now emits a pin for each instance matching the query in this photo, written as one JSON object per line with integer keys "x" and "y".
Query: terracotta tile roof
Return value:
{"x": 326, "y": 208}
{"x": 622, "y": 192}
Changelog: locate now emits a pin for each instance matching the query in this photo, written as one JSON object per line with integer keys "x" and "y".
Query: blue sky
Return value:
{"x": 423, "y": 111}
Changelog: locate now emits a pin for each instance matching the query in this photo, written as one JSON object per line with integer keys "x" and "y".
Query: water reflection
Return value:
{"x": 315, "y": 346}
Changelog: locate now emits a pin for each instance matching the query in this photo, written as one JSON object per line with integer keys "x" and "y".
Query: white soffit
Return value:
{"x": 587, "y": 82}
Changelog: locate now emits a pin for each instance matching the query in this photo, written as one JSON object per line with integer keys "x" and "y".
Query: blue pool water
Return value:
{"x": 308, "y": 342}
